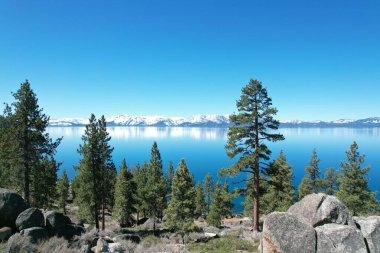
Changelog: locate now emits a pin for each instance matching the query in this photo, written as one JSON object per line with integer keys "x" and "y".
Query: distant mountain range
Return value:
{"x": 207, "y": 121}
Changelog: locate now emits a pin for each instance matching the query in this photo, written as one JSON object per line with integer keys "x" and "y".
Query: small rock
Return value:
{"x": 36, "y": 234}
{"x": 86, "y": 249}
{"x": 31, "y": 217}
{"x": 101, "y": 246}
{"x": 5, "y": 233}
{"x": 55, "y": 220}
{"x": 115, "y": 248}
{"x": 128, "y": 237}
{"x": 339, "y": 238}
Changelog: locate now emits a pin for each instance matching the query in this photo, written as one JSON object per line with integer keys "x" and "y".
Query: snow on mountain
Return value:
{"x": 214, "y": 120}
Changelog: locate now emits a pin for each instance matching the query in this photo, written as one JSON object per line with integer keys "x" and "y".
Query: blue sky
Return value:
{"x": 319, "y": 59}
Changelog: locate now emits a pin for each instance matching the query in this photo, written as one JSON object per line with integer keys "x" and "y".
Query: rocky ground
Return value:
{"x": 25, "y": 229}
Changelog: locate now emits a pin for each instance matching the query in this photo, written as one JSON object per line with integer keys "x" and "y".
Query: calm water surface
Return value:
{"x": 203, "y": 148}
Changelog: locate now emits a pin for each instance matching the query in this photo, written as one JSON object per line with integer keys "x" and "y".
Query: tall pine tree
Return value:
{"x": 214, "y": 217}
{"x": 125, "y": 200}
{"x": 156, "y": 187}
{"x": 141, "y": 179}
{"x": 330, "y": 182}
{"x": 181, "y": 210}
{"x": 227, "y": 197}
{"x": 169, "y": 179}
{"x": 353, "y": 189}
{"x": 26, "y": 127}
{"x": 312, "y": 182}
{"x": 208, "y": 185}
{"x": 251, "y": 127}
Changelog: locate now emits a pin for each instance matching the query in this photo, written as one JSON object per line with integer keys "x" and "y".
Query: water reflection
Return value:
{"x": 147, "y": 132}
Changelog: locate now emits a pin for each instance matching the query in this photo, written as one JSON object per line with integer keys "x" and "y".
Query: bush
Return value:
{"x": 227, "y": 244}
{"x": 55, "y": 245}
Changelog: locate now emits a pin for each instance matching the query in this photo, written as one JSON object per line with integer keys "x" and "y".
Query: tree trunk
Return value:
{"x": 256, "y": 179}
{"x": 96, "y": 217}
{"x": 103, "y": 216}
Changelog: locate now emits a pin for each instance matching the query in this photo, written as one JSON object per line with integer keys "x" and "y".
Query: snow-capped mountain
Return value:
{"x": 208, "y": 121}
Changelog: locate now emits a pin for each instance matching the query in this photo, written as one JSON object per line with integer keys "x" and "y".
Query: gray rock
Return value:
{"x": 101, "y": 246}
{"x": 319, "y": 209}
{"x": 69, "y": 231}
{"x": 285, "y": 232}
{"x": 31, "y": 217}
{"x": 35, "y": 234}
{"x": 334, "y": 238}
{"x": 18, "y": 243}
{"x": 55, "y": 220}
{"x": 86, "y": 249}
{"x": 5, "y": 233}
{"x": 127, "y": 237}
{"x": 370, "y": 229}
{"x": 115, "y": 248}
{"x": 11, "y": 205}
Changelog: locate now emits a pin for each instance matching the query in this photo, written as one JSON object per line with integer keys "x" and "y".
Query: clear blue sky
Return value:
{"x": 319, "y": 59}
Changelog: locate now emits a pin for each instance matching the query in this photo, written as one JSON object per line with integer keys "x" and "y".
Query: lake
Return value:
{"x": 203, "y": 148}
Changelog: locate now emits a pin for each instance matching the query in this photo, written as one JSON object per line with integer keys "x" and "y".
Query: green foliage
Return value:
{"x": 182, "y": 205}
{"x": 155, "y": 192}
{"x": 226, "y": 244}
{"x": 141, "y": 179}
{"x": 353, "y": 190}
{"x": 125, "y": 201}
{"x": 200, "y": 202}
{"x": 95, "y": 181}
{"x": 251, "y": 127}
{"x": 330, "y": 181}
{"x": 280, "y": 194}
{"x": 44, "y": 187}
{"x": 63, "y": 191}
{"x": 227, "y": 198}
{"x": 169, "y": 179}
{"x": 23, "y": 133}
{"x": 215, "y": 216}
{"x": 208, "y": 185}
{"x": 311, "y": 183}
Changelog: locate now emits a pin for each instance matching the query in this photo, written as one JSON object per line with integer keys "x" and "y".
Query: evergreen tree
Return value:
{"x": 95, "y": 181}
{"x": 208, "y": 185}
{"x": 156, "y": 187}
{"x": 125, "y": 197}
{"x": 63, "y": 191}
{"x": 25, "y": 126}
{"x": 353, "y": 189}
{"x": 227, "y": 204}
{"x": 304, "y": 188}
{"x": 330, "y": 181}
{"x": 7, "y": 177}
{"x": 200, "y": 202}
{"x": 169, "y": 179}
{"x": 141, "y": 179}
{"x": 280, "y": 194}
{"x": 254, "y": 125}
{"x": 214, "y": 218}
{"x": 44, "y": 186}
{"x": 182, "y": 205}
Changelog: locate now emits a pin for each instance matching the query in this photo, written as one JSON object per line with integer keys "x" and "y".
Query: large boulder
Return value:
{"x": 55, "y": 220}
{"x": 31, "y": 217}
{"x": 339, "y": 238}
{"x": 370, "y": 228}
{"x": 285, "y": 232}
{"x": 319, "y": 209}
{"x": 5, "y": 233}
{"x": 35, "y": 234}
{"x": 11, "y": 205}
{"x": 127, "y": 237}
{"x": 101, "y": 246}
{"x": 68, "y": 231}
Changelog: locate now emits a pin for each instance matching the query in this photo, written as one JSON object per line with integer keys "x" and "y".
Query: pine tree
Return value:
{"x": 141, "y": 179}
{"x": 200, "y": 202}
{"x": 254, "y": 125}
{"x": 44, "y": 183}
{"x": 29, "y": 141}
{"x": 330, "y": 181}
{"x": 353, "y": 189}
{"x": 125, "y": 197}
{"x": 304, "y": 188}
{"x": 7, "y": 177}
{"x": 63, "y": 191}
{"x": 182, "y": 205}
{"x": 227, "y": 197}
{"x": 169, "y": 179}
{"x": 214, "y": 218}
{"x": 95, "y": 181}
{"x": 280, "y": 194}
{"x": 156, "y": 187}
{"x": 208, "y": 185}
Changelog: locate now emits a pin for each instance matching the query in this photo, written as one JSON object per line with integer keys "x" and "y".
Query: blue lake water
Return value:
{"x": 203, "y": 148}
